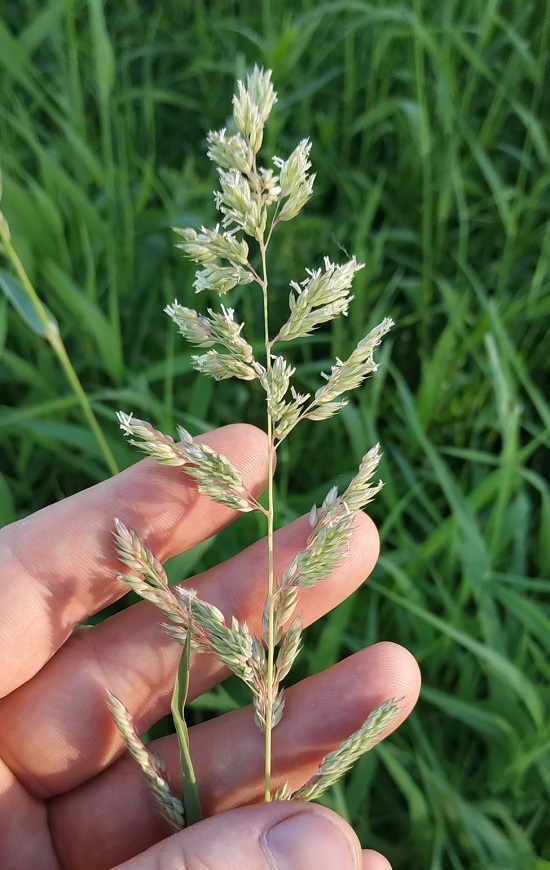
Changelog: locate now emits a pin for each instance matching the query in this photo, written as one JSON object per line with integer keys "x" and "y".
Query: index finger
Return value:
{"x": 59, "y": 565}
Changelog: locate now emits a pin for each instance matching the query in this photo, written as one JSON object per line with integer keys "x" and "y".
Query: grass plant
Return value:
{"x": 253, "y": 201}
{"x": 431, "y": 137}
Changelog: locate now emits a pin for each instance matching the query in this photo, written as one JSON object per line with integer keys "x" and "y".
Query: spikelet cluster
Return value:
{"x": 252, "y": 200}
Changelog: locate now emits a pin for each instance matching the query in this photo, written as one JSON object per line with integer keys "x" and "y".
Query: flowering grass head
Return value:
{"x": 252, "y": 200}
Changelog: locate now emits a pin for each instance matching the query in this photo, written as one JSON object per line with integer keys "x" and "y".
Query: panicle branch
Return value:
{"x": 322, "y": 297}
{"x": 208, "y": 245}
{"x": 239, "y": 205}
{"x": 221, "y": 279}
{"x": 219, "y": 328}
{"x": 360, "y": 491}
{"x": 289, "y": 649}
{"x": 252, "y": 106}
{"x": 152, "y": 766}
{"x": 331, "y": 528}
{"x": 149, "y": 579}
{"x": 337, "y": 763}
{"x": 276, "y": 382}
{"x": 230, "y": 152}
{"x": 232, "y": 645}
{"x": 221, "y": 366}
{"x": 296, "y": 186}
{"x": 161, "y": 447}
{"x": 215, "y": 475}
{"x": 350, "y": 374}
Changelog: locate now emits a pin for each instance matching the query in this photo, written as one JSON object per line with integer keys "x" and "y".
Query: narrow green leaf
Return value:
{"x": 15, "y": 292}
{"x": 191, "y": 800}
{"x": 91, "y": 317}
{"x": 103, "y": 51}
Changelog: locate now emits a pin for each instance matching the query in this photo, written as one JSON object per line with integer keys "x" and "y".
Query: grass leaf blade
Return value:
{"x": 191, "y": 800}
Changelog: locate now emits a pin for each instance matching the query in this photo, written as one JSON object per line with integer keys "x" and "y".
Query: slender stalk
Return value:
{"x": 190, "y": 792}
{"x": 51, "y": 332}
{"x": 270, "y": 567}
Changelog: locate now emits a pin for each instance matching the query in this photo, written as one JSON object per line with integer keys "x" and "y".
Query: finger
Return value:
{"x": 228, "y": 757}
{"x": 65, "y": 706}
{"x": 374, "y": 861}
{"x": 59, "y": 565}
{"x": 24, "y": 836}
{"x": 277, "y": 836}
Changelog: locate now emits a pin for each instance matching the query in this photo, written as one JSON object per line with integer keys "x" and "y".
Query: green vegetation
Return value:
{"x": 430, "y": 126}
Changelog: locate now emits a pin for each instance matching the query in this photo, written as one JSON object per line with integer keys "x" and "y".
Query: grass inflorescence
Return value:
{"x": 253, "y": 201}
{"x": 430, "y": 131}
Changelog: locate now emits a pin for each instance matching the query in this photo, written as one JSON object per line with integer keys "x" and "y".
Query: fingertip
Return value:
{"x": 366, "y": 539}
{"x": 312, "y": 836}
{"x": 374, "y": 861}
{"x": 276, "y": 836}
{"x": 397, "y": 660}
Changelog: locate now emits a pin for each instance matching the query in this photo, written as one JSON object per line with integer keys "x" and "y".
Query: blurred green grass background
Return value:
{"x": 430, "y": 126}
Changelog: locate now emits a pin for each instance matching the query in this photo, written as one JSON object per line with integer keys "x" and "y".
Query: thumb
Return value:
{"x": 275, "y": 836}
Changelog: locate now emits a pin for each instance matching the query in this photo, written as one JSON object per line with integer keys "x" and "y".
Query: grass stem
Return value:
{"x": 52, "y": 335}
{"x": 270, "y": 567}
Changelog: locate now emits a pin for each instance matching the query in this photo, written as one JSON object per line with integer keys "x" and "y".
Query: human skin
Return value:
{"x": 69, "y": 796}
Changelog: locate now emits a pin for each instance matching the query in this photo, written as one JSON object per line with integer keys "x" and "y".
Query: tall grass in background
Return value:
{"x": 431, "y": 125}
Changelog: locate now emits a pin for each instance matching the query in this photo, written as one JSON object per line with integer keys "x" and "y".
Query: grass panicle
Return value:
{"x": 261, "y": 663}
{"x": 431, "y": 136}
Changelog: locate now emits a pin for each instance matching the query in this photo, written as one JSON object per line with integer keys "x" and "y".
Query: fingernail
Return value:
{"x": 309, "y": 840}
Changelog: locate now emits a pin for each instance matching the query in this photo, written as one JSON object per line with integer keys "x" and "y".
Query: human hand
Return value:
{"x": 67, "y": 797}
